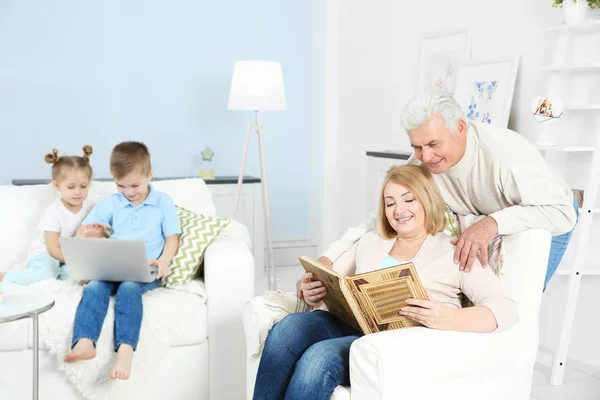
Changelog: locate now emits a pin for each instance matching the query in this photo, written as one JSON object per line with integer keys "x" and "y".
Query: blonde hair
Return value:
{"x": 128, "y": 157}
{"x": 61, "y": 164}
{"x": 419, "y": 181}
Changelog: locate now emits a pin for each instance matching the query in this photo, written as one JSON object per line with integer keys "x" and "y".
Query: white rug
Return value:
{"x": 165, "y": 311}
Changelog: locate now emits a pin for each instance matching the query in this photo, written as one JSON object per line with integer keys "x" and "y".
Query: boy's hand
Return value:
{"x": 163, "y": 268}
{"x": 95, "y": 230}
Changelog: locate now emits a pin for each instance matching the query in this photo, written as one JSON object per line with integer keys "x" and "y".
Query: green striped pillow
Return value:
{"x": 197, "y": 232}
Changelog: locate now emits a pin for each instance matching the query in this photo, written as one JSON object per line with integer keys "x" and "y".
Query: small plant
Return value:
{"x": 592, "y": 3}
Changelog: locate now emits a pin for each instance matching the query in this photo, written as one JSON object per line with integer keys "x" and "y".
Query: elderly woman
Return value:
{"x": 306, "y": 355}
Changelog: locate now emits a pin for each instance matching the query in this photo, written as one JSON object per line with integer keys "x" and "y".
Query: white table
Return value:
{"x": 26, "y": 302}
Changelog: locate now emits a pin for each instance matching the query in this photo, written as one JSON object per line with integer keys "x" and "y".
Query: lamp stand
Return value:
{"x": 255, "y": 127}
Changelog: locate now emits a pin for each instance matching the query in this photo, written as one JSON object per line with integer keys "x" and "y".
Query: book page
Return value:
{"x": 335, "y": 300}
{"x": 381, "y": 294}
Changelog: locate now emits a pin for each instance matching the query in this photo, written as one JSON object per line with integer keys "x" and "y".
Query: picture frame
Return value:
{"x": 441, "y": 55}
{"x": 485, "y": 89}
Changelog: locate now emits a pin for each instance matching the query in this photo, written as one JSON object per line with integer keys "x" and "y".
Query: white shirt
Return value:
{"x": 58, "y": 219}
{"x": 438, "y": 274}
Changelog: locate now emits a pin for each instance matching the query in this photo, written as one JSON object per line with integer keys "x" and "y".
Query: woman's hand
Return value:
{"x": 93, "y": 231}
{"x": 429, "y": 313}
{"x": 312, "y": 291}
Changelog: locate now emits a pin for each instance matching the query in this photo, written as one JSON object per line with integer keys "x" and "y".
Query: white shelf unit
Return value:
{"x": 589, "y": 107}
{"x": 584, "y": 26}
{"x": 583, "y": 273}
{"x": 564, "y": 72}
{"x": 591, "y": 67}
{"x": 567, "y": 149}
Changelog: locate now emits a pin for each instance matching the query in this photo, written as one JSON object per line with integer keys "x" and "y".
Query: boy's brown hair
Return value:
{"x": 61, "y": 164}
{"x": 128, "y": 157}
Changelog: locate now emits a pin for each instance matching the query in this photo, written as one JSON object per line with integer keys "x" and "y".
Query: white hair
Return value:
{"x": 419, "y": 110}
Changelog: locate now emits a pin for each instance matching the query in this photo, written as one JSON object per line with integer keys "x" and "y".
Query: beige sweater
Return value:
{"x": 501, "y": 175}
{"x": 438, "y": 273}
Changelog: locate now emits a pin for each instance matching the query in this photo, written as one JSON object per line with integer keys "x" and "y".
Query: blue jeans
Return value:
{"x": 306, "y": 355}
{"x": 39, "y": 268}
{"x": 558, "y": 248}
{"x": 92, "y": 308}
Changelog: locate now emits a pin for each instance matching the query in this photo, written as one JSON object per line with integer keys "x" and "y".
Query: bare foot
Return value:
{"x": 122, "y": 368}
{"x": 2, "y": 276}
{"x": 83, "y": 350}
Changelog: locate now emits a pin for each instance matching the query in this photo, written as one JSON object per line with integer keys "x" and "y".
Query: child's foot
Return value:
{"x": 83, "y": 350}
{"x": 122, "y": 368}
{"x": 2, "y": 276}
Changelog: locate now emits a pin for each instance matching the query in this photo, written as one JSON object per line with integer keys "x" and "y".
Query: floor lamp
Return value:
{"x": 258, "y": 86}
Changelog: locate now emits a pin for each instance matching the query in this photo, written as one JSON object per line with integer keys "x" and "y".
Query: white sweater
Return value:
{"x": 438, "y": 273}
{"x": 502, "y": 175}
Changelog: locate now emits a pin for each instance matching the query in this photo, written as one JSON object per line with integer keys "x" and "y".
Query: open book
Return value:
{"x": 370, "y": 301}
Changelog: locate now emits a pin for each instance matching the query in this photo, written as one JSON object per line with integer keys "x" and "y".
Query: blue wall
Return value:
{"x": 99, "y": 72}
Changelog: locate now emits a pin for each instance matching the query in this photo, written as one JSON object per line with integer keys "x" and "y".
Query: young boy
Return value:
{"x": 138, "y": 212}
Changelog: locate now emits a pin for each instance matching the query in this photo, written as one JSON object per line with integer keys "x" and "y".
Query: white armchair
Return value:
{"x": 421, "y": 363}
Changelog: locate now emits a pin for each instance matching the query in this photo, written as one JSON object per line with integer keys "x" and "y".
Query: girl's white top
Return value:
{"x": 58, "y": 219}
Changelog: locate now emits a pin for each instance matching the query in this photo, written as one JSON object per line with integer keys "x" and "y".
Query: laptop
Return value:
{"x": 107, "y": 260}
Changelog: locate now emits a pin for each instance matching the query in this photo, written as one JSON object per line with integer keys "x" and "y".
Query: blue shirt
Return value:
{"x": 152, "y": 221}
{"x": 390, "y": 261}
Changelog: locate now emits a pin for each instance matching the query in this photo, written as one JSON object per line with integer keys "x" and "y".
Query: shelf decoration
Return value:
{"x": 545, "y": 110}
{"x": 205, "y": 171}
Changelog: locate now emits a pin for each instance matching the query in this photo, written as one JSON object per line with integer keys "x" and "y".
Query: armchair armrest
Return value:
{"x": 412, "y": 362}
{"x": 229, "y": 280}
{"x": 260, "y": 314}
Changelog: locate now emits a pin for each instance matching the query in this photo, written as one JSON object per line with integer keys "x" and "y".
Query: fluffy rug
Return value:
{"x": 165, "y": 311}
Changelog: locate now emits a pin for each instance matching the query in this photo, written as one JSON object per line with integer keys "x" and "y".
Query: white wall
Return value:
{"x": 372, "y": 58}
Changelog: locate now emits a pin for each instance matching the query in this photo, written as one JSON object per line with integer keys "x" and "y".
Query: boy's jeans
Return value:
{"x": 306, "y": 356}
{"x": 39, "y": 268}
{"x": 128, "y": 311}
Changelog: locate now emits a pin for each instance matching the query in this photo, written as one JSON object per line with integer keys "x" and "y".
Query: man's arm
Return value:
{"x": 543, "y": 202}
{"x": 351, "y": 236}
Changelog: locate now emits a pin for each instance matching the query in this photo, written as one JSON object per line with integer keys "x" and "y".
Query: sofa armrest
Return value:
{"x": 229, "y": 280}
{"x": 260, "y": 314}
{"x": 383, "y": 365}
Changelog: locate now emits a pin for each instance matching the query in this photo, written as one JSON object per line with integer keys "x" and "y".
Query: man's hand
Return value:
{"x": 95, "y": 230}
{"x": 163, "y": 268}
{"x": 312, "y": 291}
{"x": 473, "y": 240}
{"x": 429, "y": 313}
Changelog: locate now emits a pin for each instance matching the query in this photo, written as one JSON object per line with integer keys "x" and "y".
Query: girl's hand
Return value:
{"x": 163, "y": 268}
{"x": 432, "y": 314}
{"x": 93, "y": 231}
{"x": 312, "y": 291}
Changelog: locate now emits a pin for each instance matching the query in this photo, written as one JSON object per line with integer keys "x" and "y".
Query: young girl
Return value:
{"x": 71, "y": 176}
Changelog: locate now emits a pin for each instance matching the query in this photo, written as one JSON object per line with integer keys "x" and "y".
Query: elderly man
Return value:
{"x": 482, "y": 170}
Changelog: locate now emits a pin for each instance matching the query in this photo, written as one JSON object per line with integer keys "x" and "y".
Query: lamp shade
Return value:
{"x": 257, "y": 85}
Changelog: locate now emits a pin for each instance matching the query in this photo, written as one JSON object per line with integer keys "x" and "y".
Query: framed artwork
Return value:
{"x": 485, "y": 90}
{"x": 441, "y": 56}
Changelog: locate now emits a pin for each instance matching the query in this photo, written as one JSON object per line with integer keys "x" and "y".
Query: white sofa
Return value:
{"x": 420, "y": 363}
{"x": 207, "y": 358}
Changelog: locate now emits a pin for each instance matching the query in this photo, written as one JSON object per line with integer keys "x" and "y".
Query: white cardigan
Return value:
{"x": 434, "y": 263}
